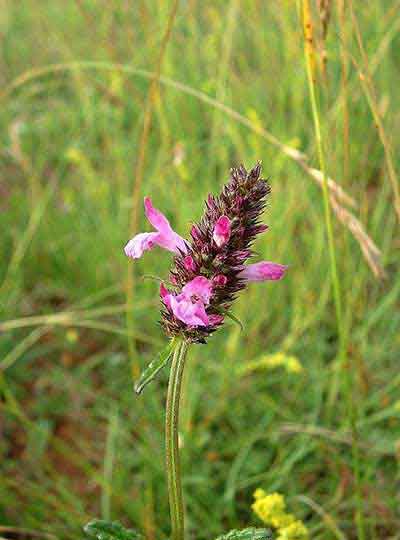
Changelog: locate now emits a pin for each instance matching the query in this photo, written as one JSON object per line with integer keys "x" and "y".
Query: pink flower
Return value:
{"x": 165, "y": 236}
{"x": 222, "y": 231}
{"x": 200, "y": 287}
{"x": 190, "y": 305}
{"x": 263, "y": 271}
{"x": 189, "y": 263}
{"x": 220, "y": 280}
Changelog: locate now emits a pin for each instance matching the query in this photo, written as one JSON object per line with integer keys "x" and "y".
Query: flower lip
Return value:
{"x": 140, "y": 243}
{"x": 190, "y": 305}
{"x": 199, "y": 287}
{"x": 191, "y": 313}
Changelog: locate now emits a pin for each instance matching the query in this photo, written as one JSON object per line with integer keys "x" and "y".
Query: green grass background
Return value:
{"x": 76, "y": 442}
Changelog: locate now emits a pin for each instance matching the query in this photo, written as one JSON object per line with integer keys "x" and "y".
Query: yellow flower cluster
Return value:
{"x": 271, "y": 509}
{"x": 296, "y": 531}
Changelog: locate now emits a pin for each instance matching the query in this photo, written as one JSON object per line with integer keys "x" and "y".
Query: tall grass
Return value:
{"x": 344, "y": 368}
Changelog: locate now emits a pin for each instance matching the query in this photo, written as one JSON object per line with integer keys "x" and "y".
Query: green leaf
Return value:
{"x": 251, "y": 533}
{"x": 234, "y": 319}
{"x": 99, "y": 529}
{"x": 155, "y": 367}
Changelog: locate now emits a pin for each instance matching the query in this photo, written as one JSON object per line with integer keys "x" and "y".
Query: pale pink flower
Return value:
{"x": 263, "y": 271}
{"x": 200, "y": 287}
{"x": 222, "y": 231}
{"x": 165, "y": 236}
{"x": 190, "y": 305}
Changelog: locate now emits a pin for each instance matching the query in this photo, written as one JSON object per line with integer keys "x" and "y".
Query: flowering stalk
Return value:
{"x": 172, "y": 442}
{"x": 208, "y": 272}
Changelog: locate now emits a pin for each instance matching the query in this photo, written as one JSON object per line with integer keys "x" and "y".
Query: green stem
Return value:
{"x": 337, "y": 293}
{"x": 171, "y": 441}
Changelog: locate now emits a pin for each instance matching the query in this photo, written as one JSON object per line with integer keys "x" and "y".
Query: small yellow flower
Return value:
{"x": 271, "y": 509}
{"x": 268, "y": 507}
{"x": 259, "y": 493}
{"x": 296, "y": 531}
{"x": 282, "y": 520}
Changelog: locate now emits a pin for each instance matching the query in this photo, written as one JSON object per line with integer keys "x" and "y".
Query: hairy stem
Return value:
{"x": 171, "y": 441}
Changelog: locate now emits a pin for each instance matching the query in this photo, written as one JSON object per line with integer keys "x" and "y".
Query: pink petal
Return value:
{"x": 140, "y": 243}
{"x": 220, "y": 280}
{"x": 222, "y": 231}
{"x": 192, "y": 314}
{"x": 195, "y": 233}
{"x": 201, "y": 287}
{"x": 189, "y": 263}
{"x": 171, "y": 241}
{"x": 165, "y": 295}
{"x": 200, "y": 313}
{"x": 190, "y": 305}
{"x": 263, "y": 271}
{"x": 168, "y": 238}
{"x": 156, "y": 218}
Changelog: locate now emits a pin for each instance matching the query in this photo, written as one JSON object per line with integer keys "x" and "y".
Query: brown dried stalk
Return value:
{"x": 369, "y": 249}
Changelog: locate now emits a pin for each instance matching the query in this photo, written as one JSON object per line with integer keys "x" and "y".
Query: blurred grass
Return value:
{"x": 76, "y": 442}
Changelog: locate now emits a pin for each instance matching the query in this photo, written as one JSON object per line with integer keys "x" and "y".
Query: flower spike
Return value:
{"x": 209, "y": 270}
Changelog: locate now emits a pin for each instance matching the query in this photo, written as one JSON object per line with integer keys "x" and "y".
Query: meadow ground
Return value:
{"x": 77, "y": 112}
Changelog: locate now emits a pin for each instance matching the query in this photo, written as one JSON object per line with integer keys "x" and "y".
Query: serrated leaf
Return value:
{"x": 234, "y": 319}
{"x": 251, "y": 533}
{"x": 100, "y": 529}
{"x": 152, "y": 370}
